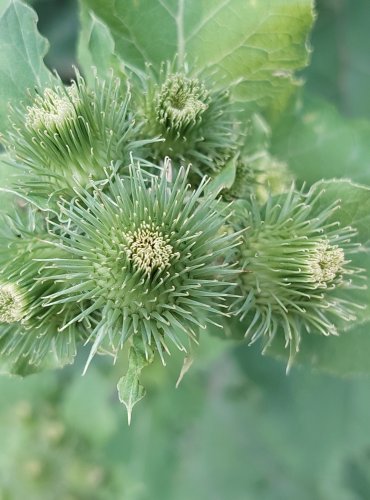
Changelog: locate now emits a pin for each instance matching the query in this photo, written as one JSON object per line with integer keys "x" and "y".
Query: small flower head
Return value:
{"x": 29, "y": 332}
{"x": 326, "y": 263}
{"x": 11, "y": 303}
{"x": 52, "y": 110}
{"x": 196, "y": 122}
{"x": 296, "y": 268}
{"x": 148, "y": 248}
{"x": 68, "y": 136}
{"x": 181, "y": 102}
{"x": 146, "y": 258}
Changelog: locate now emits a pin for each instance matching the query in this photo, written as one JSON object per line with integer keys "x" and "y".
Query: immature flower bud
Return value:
{"x": 259, "y": 175}
{"x": 295, "y": 268}
{"x": 29, "y": 332}
{"x": 147, "y": 258}
{"x": 70, "y": 135}
{"x": 196, "y": 121}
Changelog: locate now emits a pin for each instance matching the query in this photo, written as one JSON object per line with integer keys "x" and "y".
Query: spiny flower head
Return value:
{"x": 296, "y": 269}
{"x": 148, "y": 258}
{"x": 196, "y": 121}
{"x": 69, "y": 135}
{"x": 28, "y": 331}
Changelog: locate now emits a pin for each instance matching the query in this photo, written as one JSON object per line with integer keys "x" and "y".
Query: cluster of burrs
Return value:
{"x": 115, "y": 245}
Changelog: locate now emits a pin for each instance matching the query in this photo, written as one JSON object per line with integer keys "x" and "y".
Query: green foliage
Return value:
{"x": 62, "y": 436}
{"x": 317, "y": 142}
{"x": 22, "y": 51}
{"x": 96, "y": 46}
{"x": 253, "y": 47}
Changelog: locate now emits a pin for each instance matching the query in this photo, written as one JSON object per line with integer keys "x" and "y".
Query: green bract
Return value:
{"x": 147, "y": 258}
{"x": 296, "y": 266}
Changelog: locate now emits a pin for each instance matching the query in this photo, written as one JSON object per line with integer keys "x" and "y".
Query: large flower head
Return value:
{"x": 148, "y": 258}
{"x": 296, "y": 269}
{"x": 195, "y": 120}
{"x": 29, "y": 332}
{"x": 69, "y": 135}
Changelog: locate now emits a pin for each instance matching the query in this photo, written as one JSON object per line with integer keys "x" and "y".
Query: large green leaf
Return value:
{"x": 318, "y": 143}
{"x": 22, "y": 50}
{"x": 255, "y": 47}
{"x": 96, "y": 46}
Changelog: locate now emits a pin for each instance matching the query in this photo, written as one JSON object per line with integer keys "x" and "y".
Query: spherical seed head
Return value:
{"x": 11, "y": 303}
{"x": 295, "y": 267}
{"x": 181, "y": 101}
{"x": 148, "y": 249}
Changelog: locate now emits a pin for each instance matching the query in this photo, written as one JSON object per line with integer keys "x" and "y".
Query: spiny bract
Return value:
{"x": 147, "y": 257}
{"x": 295, "y": 267}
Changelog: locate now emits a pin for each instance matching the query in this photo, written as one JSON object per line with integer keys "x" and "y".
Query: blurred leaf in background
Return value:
{"x": 237, "y": 428}
{"x": 58, "y": 22}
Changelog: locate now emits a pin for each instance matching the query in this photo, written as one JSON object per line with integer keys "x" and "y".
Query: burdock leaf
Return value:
{"x": 22, "y": 50}
{"x": 318, "y": 143}
{"x": 130, "y": 390}
{"x": 346, "y": 355}
{"x": 96, "y": 46}
{"x": 254, "y": 47}
{"x": 224, "y": 179}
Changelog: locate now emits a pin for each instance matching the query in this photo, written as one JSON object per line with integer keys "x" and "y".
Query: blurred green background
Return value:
{"x": 237, "y": 428}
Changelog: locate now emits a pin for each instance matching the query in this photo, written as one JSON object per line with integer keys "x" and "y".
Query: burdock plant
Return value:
{"x": 152, "y": 199}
